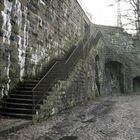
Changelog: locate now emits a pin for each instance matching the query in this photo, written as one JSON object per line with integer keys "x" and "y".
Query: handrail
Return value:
{"x": 61, "y": 69}
{"x": 51, "y": 69}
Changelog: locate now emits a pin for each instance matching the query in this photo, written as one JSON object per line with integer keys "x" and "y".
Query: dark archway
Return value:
{"x": 114, "y": 77}
{"x": 136, "y": 84}
{"x": 97, "y": 73}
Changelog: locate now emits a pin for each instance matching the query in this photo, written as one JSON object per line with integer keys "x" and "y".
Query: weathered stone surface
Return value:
{"x": 41, "y": 30}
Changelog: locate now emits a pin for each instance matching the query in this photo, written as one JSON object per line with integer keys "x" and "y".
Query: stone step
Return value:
{"x": 28, "y": 92}
{"x": 19, "y": 100}
{"x": 17, "y": 110}
{"x": 25, "y": 92}
{"x": 31, "y": 81}
{"x": 25, "y": 96}
{"x": 15, "y": 115}
{"x": 19, "y": 105}
{"x": 29, "y": 88}
{"x": 31, "y": 85}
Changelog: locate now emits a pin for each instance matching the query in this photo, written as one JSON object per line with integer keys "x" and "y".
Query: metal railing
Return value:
{"x": 61, "y": 69}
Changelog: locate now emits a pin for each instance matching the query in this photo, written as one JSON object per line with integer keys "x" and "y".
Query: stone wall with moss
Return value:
{"x": 32, "y": 32}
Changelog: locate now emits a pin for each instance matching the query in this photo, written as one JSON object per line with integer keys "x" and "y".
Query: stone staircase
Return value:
{"x": 19, "y": 104}
{"x": 28, "y": 96}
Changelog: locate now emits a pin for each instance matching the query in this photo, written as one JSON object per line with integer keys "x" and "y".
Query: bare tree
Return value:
{"x": 131, "y": 15}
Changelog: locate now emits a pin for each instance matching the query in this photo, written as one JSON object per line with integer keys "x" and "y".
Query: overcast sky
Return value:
{"x": 103, "y": 11}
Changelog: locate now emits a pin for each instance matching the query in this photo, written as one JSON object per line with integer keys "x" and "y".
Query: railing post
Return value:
{"x": 32, "y": 104}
